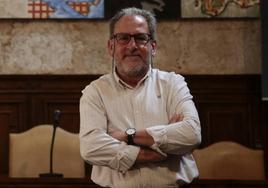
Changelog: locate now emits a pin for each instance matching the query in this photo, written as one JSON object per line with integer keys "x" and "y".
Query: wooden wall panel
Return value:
{"x": 229, "y": 107}
{"x": 225, "y": 121}
{"x": 4, "y": 130}
{"x": 16, "y": 109}
{"x": 265, "y": 134}
{"x": 44, "y": 106}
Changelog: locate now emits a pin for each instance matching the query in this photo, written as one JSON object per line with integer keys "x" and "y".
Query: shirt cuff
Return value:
{"x": 159, "y": 134}
{"x": 157, "y": 149}
{"x": 125, "y": 158}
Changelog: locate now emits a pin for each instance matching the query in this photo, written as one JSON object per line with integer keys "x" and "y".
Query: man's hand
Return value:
{"x": 148, "y": 155}
{"x": 176, "y": 118}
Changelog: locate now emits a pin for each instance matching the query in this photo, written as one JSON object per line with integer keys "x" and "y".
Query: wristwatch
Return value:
{"x": 130, "y": 132}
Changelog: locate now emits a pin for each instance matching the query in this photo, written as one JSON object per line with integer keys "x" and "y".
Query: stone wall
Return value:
{"x": 79, "y": 47}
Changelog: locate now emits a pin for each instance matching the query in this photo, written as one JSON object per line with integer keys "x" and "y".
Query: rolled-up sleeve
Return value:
{"x": 96, "y": 146}
{"x": 179, "y": 137}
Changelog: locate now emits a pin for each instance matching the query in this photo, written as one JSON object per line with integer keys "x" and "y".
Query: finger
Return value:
{"x": 176, "y": 118}
{"x": 179, "y": 117}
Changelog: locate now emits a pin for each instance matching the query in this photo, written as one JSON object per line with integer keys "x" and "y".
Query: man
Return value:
{"x": 139, "y": 125}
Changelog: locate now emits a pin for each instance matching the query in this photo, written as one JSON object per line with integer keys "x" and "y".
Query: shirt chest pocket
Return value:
{"x": 154, "y": 112}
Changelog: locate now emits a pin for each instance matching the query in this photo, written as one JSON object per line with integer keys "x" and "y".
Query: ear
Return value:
{"x": 110, "y": 47}
{"x": 153, "y": 46}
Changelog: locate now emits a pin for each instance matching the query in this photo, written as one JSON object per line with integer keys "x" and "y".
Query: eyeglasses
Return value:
{"x": 140, "y": 38}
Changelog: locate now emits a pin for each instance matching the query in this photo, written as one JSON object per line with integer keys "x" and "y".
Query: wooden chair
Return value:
{"x": 29, "y": 153}
{"x": 229, "y": 160}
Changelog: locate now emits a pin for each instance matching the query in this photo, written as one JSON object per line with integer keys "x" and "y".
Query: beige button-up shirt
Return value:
{"x": 108, "y": 104}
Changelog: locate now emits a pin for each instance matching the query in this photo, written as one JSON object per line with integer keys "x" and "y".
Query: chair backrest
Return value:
{"x": 29, "y": 153}
{"x": 230, "y": 160}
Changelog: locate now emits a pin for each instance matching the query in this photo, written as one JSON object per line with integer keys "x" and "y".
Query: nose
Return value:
{"x": 132, "y": 42}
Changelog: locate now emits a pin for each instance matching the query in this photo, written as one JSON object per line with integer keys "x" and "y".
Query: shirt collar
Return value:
{"x": 125, "y": 85}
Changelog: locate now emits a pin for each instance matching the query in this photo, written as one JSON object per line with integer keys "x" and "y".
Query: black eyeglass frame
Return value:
{"x": 115, "y": 36}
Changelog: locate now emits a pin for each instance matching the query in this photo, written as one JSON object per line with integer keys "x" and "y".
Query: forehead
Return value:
{"x": 131, "y": 24}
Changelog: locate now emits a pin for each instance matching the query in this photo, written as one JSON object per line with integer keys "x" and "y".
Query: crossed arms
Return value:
{"x": 145, "y": 141}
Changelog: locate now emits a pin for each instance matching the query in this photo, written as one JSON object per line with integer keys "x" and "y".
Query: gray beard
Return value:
{"x": 135, "y": 72}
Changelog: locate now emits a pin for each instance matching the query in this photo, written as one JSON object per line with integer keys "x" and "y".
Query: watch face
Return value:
{"x": 131, "y": 131}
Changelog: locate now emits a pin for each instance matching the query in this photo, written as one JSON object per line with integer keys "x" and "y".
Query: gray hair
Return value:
{"x": 149, "y": 17}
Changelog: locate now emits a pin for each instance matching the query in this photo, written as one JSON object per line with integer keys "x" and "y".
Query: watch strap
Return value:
{"x": 130, "y": 140}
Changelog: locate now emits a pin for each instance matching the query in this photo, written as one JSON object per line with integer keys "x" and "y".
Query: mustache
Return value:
{"x": 131, "y": 54}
